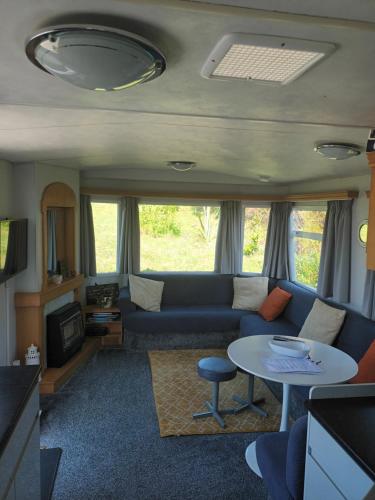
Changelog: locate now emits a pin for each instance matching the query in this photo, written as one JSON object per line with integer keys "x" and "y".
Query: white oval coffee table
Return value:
{"x": 248, "y": 352}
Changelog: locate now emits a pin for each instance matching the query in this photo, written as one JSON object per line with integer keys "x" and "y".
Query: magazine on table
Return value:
{"x": 292, "y": 365}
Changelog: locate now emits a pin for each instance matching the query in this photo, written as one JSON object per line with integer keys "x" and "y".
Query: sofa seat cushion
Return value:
{"x": 253, "y": 324}
{"x": 173, "y": 319}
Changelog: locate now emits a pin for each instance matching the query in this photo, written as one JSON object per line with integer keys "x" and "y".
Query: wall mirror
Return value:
{"x": 362, "y": 232}
{"x": 58, "y": 226}
{"x": 55, "y": 240}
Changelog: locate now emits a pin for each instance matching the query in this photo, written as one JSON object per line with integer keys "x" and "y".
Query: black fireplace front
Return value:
{"x": 65, "y": 334}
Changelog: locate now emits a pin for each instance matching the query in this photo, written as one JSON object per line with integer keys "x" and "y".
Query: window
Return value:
{"x": 307, "y": 232}
{"x": 254, "y": 242}
{"x": 178, "y": 237}
{"x": 106, "y": 222}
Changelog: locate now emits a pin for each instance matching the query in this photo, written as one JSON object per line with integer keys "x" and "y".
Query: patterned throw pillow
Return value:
{"x": 146, "y": 293}
{"x": 323, "y": 323}
{"x": 249, "y": 293}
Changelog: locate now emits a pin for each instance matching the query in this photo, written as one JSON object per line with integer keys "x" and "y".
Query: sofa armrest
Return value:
{"x": 126, "y": 306}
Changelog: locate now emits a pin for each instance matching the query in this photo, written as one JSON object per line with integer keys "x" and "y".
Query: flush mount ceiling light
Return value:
{"x": 95, "y": 57}
{"x": 181, "y": 166}
{"x": 263, "y": 59}
{"x": 264, "y": 178}
{"x": 337, "y": 151}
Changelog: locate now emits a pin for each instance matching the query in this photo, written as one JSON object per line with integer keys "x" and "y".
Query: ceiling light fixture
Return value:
{"x": 95, "y": 57}
{"x": 263, "y": 59}
{"x": 264, "y": 178}
{"x": 181, "y": 166}
{"x": 337, "y": 151}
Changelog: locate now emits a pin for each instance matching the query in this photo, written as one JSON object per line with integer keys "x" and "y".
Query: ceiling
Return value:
{"x": 235, "y": 131}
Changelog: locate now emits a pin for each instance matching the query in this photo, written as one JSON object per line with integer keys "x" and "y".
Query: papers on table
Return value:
{"x": 291, "y": 365}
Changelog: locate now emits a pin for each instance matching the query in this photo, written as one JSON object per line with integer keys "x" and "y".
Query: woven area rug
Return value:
{"x": 179, "y": 392}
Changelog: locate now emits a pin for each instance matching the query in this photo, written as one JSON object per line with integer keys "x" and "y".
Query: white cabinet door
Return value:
{"x": 317, "y": 484}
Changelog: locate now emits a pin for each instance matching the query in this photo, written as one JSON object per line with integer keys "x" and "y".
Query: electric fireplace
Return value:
{"x": 65, "y": 334}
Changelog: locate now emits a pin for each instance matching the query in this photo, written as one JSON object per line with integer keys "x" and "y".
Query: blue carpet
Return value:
{"x": 105, "y": 421}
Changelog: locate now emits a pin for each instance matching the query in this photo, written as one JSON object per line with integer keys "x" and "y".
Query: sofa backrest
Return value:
{"x": 194, "y": 289}
{"x": 356, "y": 335}
{"x": 357, "y": 332}
{"x": 300, "y": 304}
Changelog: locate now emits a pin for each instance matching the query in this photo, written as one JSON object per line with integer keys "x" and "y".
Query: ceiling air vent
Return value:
{"x": 263, "y": 59}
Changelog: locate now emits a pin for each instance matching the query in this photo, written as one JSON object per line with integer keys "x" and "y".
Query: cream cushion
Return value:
{"x": 323, "y": 323}
{"x": 146, "y": 293}
{"x": 249, "y": 293}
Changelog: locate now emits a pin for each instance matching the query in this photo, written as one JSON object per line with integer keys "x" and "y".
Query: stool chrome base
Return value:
{"x": 213, "y": 408}
{"x": 250, "y": 404}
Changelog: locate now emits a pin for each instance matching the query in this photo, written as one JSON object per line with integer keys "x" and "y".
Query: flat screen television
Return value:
{"x": 13, "y": 247}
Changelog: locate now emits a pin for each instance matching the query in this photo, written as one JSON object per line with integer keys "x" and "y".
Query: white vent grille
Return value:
{"x": 263, "y": 59}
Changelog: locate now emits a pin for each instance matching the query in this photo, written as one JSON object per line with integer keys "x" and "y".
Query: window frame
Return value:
{"x": 183, "y": 203}
{"x": 115, "y": 201}
{"x": 249, "y": 204}
{"x": 293, "y": 234}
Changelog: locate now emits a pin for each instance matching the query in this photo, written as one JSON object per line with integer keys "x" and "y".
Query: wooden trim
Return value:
{"x": 371, "y": 159}
{"x": 335, "y": 195}
{"x": 322, "y": 196}
{"x": 59, "y": 195}
{"x": 371, "y": 224}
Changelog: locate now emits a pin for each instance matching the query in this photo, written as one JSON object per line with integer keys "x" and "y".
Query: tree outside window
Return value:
{"x": 254, "y": 242}
{"x": 178, "y": 237}
{"x": 306, "y": 244}
{"x": 105, "y": 216}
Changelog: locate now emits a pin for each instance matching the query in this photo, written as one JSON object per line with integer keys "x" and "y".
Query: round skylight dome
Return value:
{"x": 95, "y": 57}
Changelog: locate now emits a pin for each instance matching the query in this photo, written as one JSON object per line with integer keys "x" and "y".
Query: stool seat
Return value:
{"x": 216, "y": 369}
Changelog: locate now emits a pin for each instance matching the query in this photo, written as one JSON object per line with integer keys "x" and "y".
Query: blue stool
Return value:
{"x": 216, "y": 370}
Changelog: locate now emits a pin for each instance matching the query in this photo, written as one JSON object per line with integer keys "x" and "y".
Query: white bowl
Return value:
{"x": 293, "y": 348}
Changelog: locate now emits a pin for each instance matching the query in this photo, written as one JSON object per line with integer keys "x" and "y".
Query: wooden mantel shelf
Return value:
{"x": 51, "y": 292}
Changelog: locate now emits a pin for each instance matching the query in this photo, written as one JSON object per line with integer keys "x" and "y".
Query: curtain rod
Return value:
{"x": 321, "y": 196}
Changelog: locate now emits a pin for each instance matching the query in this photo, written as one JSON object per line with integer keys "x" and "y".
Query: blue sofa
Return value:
{"x": 196, "y": 311}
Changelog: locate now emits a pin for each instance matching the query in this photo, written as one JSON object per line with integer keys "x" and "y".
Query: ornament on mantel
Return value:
{"x": 32, "y": 356}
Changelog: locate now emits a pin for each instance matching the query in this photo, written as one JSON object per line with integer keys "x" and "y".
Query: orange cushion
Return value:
{"x": 274, "y": 304}
{"x": 366, "y": 367}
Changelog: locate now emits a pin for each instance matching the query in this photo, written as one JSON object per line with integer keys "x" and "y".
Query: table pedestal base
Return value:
{"x": 250, "y": 404}
{"x": 284, "y": 423}
{"x": 251, "y": 458}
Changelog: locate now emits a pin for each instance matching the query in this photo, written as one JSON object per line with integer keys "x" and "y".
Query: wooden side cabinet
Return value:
{"x": 108, "y": 317}
{"x": 371, "y": 215}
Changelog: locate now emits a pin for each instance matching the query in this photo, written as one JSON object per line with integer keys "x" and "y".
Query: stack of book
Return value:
{"x": 103, "y": 317}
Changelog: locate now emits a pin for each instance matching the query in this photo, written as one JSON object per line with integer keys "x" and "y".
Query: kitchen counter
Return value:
{"x": 16, "y": 385}
{"x": 351, "y": 422}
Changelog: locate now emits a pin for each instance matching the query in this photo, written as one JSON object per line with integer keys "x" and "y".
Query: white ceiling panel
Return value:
{"x": 235, "y": 131}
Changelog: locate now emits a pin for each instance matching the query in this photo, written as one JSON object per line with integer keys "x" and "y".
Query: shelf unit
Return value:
{"x": 114, "y": 337}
